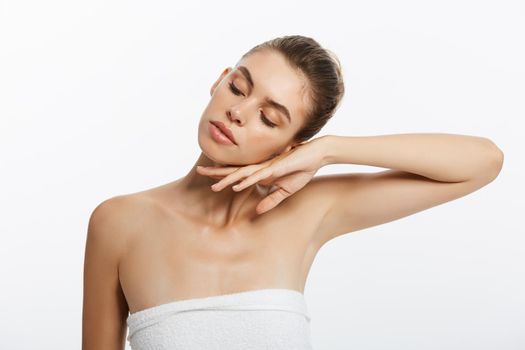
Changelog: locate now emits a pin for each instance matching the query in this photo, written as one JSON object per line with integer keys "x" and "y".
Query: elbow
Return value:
{"x": 495, "y": 158}
{"x": 498, "y": 162}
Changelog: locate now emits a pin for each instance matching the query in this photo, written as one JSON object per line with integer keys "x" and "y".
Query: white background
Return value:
{"x": 103, "y": 98}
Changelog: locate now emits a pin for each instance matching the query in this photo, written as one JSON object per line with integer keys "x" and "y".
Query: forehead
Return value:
{"x": 274, "y": 78}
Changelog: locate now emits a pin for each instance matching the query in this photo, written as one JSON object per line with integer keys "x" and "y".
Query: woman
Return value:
{"x": 219, "y": 258}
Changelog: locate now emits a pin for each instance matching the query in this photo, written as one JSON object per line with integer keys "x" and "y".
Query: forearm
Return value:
{"x": 439, "y": 156}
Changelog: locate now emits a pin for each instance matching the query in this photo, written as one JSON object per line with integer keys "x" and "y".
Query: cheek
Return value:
{"x": 262, "y": 150}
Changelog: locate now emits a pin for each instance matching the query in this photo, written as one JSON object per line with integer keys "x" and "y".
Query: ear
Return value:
{"x": 286, "y": 149}
{"x": 224, "y": 73}
{"x": 291, "y": 146}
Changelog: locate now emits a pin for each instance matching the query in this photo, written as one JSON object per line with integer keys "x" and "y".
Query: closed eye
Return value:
{"x": 265, "y": 120}
{"x": 234, "y": 89}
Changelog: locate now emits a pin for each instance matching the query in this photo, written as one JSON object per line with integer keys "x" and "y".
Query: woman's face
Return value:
{"x": 263, "y": 101}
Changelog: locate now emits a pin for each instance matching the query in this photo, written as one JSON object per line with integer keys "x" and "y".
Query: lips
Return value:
{"x": 224, "y": 130}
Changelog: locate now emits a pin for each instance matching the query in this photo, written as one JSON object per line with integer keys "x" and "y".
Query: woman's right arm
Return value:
{"x": 105, "y": 308}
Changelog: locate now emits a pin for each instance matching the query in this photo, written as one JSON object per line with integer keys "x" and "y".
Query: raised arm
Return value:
{"x": 424, "y": 170}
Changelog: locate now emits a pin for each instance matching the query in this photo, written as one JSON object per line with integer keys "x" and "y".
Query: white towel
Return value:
{"x": 258, "y": 319}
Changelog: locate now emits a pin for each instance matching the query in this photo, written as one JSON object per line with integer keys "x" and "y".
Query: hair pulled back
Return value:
{"x": 323, "y": 72}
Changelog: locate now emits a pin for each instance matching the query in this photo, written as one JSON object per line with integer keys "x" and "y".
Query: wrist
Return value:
{"x": 325, "y": 147}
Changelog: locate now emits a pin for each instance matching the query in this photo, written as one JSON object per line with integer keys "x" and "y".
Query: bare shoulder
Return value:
{"x": 116, "y": 217}
{"x": 108, "y": 223}
{"x": 105, "y": 309}
{"x": 115, "y": 222}
{"x": 107, "y": 216}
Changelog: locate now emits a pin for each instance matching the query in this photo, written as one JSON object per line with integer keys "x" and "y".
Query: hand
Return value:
{"x": 289, "y": 171}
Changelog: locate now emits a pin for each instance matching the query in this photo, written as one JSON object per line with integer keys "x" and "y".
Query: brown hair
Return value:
{"x": 324, "y": 75}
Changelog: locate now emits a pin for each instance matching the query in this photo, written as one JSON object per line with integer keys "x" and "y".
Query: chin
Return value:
{"x": 215, "y": 153}
{"x": 221, "y": 154}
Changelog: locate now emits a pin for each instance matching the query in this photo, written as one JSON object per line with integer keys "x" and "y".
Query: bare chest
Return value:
{"x": 177, "y": 259}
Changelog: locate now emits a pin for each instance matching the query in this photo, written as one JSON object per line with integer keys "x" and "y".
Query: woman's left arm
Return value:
{"x": 441, "y": 157}
{"x": 425, "y": 170}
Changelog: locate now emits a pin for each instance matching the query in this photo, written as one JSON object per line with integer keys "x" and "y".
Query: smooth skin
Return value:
{"x": 185, "y": 240}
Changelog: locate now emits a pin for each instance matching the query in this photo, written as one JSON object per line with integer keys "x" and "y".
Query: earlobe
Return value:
{"x": 292, "y": 147}
{"x": 288, "y": 148}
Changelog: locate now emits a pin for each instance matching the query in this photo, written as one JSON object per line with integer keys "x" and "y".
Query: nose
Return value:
{"x": 239, "y": 112}
{"x": 234, "y": 115}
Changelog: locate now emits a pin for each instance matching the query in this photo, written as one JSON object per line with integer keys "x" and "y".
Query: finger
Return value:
{"x": 253, "y": 178}
{"x": 271, "y": 201}
{"x": 231, "y": 178}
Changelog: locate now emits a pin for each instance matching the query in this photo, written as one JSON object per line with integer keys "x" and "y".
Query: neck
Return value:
{"x": 218, "y": 209}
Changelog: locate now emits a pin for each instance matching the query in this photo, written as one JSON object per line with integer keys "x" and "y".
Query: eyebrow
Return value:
{"x": 268, "y": 100}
